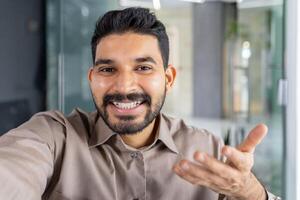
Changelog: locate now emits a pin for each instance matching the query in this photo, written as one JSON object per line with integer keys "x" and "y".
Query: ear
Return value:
{"x": 90, "y": 74}
{"x": 170, "y": 77}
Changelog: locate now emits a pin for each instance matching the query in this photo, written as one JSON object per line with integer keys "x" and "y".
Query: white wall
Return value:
{"x": 292, "y": 64}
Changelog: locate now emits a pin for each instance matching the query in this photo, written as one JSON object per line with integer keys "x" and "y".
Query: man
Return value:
{"x": 127, "y": 149}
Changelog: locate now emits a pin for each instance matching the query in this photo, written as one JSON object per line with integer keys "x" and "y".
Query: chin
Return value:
{"x": 128, "y": 126}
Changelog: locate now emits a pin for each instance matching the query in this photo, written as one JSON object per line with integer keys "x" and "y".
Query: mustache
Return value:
{"x": 143, "y": 97}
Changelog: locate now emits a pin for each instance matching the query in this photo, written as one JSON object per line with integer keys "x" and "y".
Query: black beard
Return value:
{"x": 125, "y": 127}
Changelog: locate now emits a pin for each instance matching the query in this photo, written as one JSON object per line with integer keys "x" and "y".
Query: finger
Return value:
{"x": 205, "y": 178}
{"x": 255, "y": 136}
{"x": 215, "y": 166}
{"x": 198, "y": 175}
{"x": 180, "y": 172}
{"x": 240, "y": 160}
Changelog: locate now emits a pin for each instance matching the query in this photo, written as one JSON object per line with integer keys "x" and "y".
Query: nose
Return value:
{"x": 125, "y": 82}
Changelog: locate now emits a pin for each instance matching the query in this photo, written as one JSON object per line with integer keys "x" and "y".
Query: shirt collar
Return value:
{"x": 101, "y": 133}
{"x": 165, "y": 134}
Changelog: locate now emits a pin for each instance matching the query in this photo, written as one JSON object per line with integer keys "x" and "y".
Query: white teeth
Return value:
{"x": 130, "y": 105}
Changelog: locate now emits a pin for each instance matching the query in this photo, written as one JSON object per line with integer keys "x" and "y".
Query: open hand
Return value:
{"x": 233, "y": 178}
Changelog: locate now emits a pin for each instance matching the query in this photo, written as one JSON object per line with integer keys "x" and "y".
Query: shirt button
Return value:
{"x": 134, "y": 155}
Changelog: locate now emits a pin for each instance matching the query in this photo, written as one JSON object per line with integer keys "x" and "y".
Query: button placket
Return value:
{"x": 137, "y": 158}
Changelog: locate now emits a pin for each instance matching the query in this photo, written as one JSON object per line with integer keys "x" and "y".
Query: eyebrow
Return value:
{"x": 145, "y": 59}
{"x": 103, "y": 61}
{"x": 139, "y": 60}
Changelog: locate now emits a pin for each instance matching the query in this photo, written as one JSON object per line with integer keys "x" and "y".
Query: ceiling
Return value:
{"x": 179, "y": 3}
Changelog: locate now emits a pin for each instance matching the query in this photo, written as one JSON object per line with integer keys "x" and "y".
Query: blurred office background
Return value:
{"x": 230, "y": 56}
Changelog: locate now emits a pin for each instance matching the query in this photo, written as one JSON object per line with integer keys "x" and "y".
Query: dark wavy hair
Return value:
{"x": 134, "y": 19}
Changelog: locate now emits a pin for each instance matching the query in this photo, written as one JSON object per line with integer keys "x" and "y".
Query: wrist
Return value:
{"x": 256, "y": 191}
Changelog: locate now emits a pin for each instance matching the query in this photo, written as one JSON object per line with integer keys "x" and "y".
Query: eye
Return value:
{"x": 143, "y": 68}
{"x": 106, "y": 69}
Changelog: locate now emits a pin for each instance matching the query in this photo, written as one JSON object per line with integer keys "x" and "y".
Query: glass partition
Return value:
{"x": 257, "y": 68}
{"x": 228, "y": 56}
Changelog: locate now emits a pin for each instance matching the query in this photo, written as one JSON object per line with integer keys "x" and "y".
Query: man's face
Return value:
{"x": 128, "y": 81}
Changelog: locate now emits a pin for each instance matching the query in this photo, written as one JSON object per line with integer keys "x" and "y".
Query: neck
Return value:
{"x": 143, "y": 138}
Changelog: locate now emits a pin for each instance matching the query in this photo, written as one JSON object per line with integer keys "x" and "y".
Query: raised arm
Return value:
{"x": 233, "y": 178}
{"x": 26, "y": 159}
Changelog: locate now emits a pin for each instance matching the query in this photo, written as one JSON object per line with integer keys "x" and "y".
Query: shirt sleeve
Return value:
{"x": 26, "y": 159}
{"x": 270, "y": 196}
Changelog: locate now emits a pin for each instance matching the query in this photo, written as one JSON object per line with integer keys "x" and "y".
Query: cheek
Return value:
{"x": 99, "y": 84}
{"x": 98, "y": 88}
{"x": 154, "y": 85}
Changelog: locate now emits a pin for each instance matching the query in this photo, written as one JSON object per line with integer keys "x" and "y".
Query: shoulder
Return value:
{"x": 180, "y": 128}
{"x": 54, "y": 119}
{"x": 47, "y": 121}
{"x": 40, "y": 128}
{"x": 50, "y": 127}
{"x": 190, "y": 138}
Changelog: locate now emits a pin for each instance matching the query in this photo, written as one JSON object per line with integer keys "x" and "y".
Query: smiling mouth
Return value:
{"x": 127, "y": 105}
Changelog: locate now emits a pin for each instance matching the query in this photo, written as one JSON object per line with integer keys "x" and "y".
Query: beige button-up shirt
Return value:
{"x": 79, "y": 158}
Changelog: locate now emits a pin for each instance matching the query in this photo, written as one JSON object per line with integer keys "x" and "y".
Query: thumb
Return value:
{"x": 255, "y": 136}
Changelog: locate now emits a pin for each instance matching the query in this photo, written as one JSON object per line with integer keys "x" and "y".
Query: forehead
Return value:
{"x": 129, "y": 45}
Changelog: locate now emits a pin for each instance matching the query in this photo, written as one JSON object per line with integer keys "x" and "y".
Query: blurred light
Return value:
{"x": 156, "y": 4}
{"x": 246, "y": 44}
{"x": 85, "y": 11}
{"x": 246, "y": 51}
{"x": 259, "y": 3}
{"x": 135, "y": 3}
{"x": 194, "y": 1}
